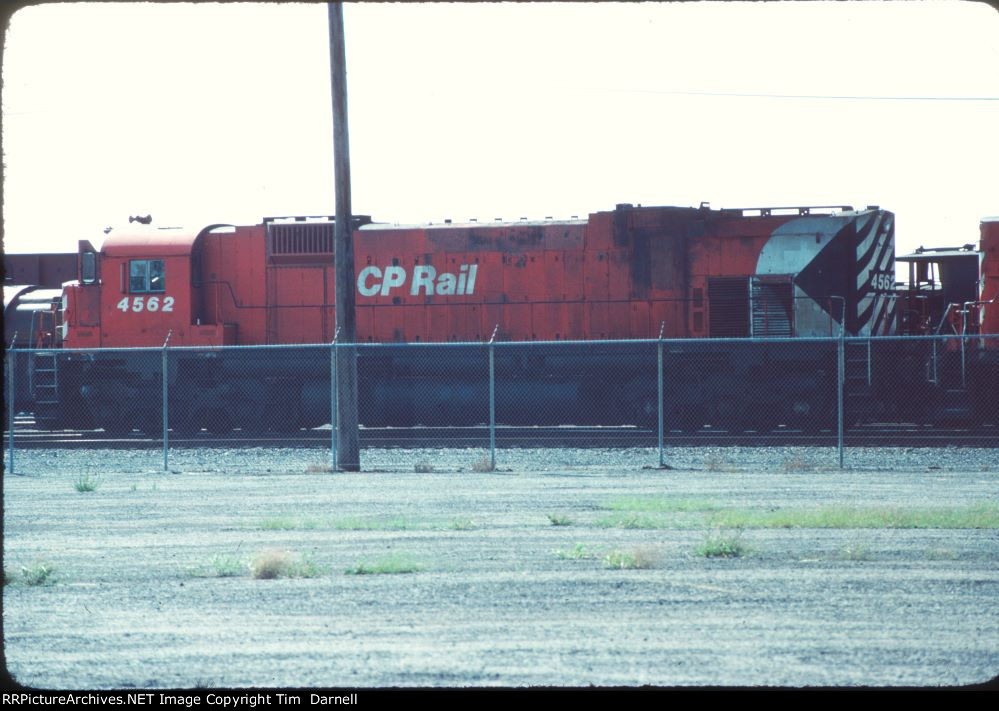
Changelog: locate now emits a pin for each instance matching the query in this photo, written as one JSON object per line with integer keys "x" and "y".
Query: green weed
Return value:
{"x": 559, "y": 519}
{"x": 719, "y": 544}
{"x": 980, "y": 516}
{"x": 855, "y": 551}
{"x": 634, "y": 520}
{"x": 352, "y": 523}
{"x": 941, "y": 554}
{"x": 577, "y": 552}
{"x": 38, "y": 574}
{"x": 660, "y": 504}
{"x": 86, "y": 482}
{"x": 227, "y": 566}
{"x": 284, "y": 523}
{"x": 395, "y": 523}
{"x": 392, "y": 565}
{"x": 637, "y": 559}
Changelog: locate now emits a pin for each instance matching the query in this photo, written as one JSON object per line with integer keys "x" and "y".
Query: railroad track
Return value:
{"x": 27, "y": 435}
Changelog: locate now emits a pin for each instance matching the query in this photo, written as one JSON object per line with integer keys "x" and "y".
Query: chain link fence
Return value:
{"x": 484, "y": 405}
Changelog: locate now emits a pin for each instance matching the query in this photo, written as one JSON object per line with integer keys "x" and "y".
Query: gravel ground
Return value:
{"x": 716, "y": 459}
{"x": 501, "y": 595}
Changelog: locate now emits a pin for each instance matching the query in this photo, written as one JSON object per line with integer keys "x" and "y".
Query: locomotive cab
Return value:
{"x": 941, "y": 291}
{"x": 139, "y": 289}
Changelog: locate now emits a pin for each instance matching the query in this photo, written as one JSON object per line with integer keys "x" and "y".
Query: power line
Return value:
{"x": 845, "y": 97}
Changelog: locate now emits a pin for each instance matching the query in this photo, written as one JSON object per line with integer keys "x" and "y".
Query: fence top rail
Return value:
{"x": 515, "y": 344}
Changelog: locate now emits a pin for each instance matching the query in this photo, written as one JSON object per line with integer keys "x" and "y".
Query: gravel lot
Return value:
{"x": 501, "y": 596}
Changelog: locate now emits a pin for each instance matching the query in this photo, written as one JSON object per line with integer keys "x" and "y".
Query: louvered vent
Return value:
{"x": 772, "y": 308}
{"x": 728, "y": 307}
{"x": 300, "y": 239}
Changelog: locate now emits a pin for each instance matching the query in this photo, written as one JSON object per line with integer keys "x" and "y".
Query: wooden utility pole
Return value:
{"x": 348, "y": 453}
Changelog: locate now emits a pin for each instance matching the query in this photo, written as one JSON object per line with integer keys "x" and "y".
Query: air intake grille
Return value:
{"x": 772, "y": 308}
{"x": 315, "y": 238}
{"x": 728, "y": 307}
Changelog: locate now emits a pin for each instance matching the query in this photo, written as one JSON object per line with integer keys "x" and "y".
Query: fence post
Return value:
{"x": 840, "y": 376}
{"x": 11, "y": 396}
{"x": 492, "y": 400}
{"x": 964, "y": 336}
{"x": 840, "y": 387}
{"x": 165, "y": 378}
{"x": 333, "y": 398}
{"x": 662, "y": 423}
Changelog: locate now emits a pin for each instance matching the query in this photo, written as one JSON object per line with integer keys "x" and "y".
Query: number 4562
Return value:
{"x": 142, "y": 303}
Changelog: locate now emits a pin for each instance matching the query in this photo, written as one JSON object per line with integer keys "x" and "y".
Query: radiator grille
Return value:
{"x": 772, "y": 309}
{"x": 285, "y": 240}
{"x": 728, "y": 307}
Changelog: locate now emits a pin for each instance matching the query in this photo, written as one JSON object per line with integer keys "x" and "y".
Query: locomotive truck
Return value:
{"x": 629, "y": 273}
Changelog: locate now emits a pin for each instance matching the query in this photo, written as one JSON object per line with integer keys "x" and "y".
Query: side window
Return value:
{"x": 88, "y": 267}
{"x": 146, "y": 276}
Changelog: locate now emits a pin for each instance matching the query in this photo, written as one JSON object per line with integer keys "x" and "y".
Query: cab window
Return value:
{"x": 88, "y": 267}
{"x": 146, "y": 276}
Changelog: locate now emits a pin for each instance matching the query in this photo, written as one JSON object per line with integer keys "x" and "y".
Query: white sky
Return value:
{"x": 201, "y": 113}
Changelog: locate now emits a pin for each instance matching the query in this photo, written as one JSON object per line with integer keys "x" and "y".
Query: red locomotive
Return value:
{"x": 620, "y": 274}
{"x": 631, "y": 273}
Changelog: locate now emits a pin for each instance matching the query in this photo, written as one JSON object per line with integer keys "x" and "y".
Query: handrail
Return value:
{"x": 943, "y": 319}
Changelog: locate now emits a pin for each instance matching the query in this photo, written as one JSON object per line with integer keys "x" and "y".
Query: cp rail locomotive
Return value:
{"x": 629, "y": 273}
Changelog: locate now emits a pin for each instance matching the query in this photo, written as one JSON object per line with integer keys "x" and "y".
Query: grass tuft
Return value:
{"x": 462, "y": 524}
{"x": 221, "y": 565}
{"x": 423, "y": 468}
{"x": 660, "y": 504}
{"x": 557, "y": 519}
{"x": 577, "y": 552}
{"x": 720, "y": 544}
{"x": 979, "y": 516}
{"x": 941, "y": 554}
{"x": 306, "y": 567}
{"x": 634, "y": 521}
{"x": 227, "y": 566}
{"x": 350, "y": 523}
{"x": 274, "y": 563}
{"x": 680, "y": 513}
{"x": 285, "y": 523}
{"x": 392, "y": 565}
{"x": 637, "y": 559}
{"x": 38, "y": 574}
{"x": 396, "y": 523}
{"x": 270, "y": 564}
{"x": 86, "y": 482}
{"x": 855, "y": 551}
